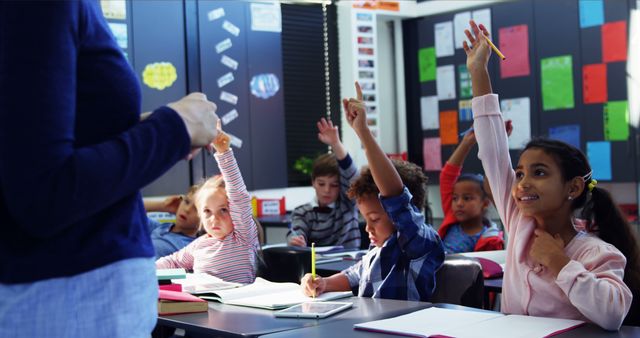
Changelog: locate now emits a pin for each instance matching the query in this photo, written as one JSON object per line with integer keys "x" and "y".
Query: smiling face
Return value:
{"x": 540, "y": 190}
{"x": 468, "y": 201}
{"x": 214, "y": 213}
{"x": 327, "y": 189}
{"x": 379, "y": 226}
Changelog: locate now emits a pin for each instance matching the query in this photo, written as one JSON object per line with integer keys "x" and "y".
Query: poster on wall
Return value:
{"x": 365, "y": 50}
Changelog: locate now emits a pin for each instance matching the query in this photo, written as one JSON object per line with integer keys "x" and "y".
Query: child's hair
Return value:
{"x": 325, "y": 165}
{"x": 410, "y": 174}
{"x": 212, "y": 183}
{"x": 602, "y": 215}
{"x": 193, "y": 189}
{"x": 475, "y": 178}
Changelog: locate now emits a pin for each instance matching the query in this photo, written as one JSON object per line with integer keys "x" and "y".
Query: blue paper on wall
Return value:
{"x": 568, "y": 133}
{"x": 591, "y": 13}
{"x": 599, "y": 155}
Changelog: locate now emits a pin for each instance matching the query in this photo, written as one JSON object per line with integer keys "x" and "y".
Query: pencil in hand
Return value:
{"x": 485, "y": 34}
{"x": 313, "y": 266}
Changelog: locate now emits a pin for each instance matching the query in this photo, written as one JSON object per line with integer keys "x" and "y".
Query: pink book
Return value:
{"x": 175, "y": 302}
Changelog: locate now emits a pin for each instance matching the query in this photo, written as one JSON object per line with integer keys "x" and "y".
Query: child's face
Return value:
{"x": 468, "y": 201}
{"x": 215, "y": 214}
{"x": 539, "y": 189}
{"x": 327, "y": 189}
{"x": 187, "y": 215}
{"x": 379, "y": 226}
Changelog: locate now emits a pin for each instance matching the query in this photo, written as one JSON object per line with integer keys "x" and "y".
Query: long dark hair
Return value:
{"x": 602, "y": 215}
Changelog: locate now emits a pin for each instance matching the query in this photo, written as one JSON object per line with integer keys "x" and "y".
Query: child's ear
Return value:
{"x": 576, "y": 186}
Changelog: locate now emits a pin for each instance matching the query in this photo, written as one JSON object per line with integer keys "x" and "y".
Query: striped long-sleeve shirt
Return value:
{"x": 335, "y": 226}
{"x": 405, "y": 266}
{"x": 233, "y": 258}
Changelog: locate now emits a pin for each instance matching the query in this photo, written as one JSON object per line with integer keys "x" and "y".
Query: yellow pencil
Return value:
{"x": 495, "y": 49}
{"x": 313, "y": 264}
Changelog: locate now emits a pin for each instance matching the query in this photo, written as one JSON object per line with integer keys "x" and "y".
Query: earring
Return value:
{"x": 570, "y": 197}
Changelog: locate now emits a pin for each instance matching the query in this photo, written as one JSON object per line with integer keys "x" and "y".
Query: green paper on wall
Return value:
{"x": 427, "y": 64}
{"x": 464, "y": 80}
{"x": 557, "y": 82}
{"x": 616, "y": 121}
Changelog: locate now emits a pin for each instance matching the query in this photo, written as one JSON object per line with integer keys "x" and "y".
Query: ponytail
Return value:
{"x": 605, "y": 219}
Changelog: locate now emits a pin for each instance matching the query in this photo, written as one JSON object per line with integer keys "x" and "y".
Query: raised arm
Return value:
{"x": 384, "y": 173}
{"x": 451, "y": 171}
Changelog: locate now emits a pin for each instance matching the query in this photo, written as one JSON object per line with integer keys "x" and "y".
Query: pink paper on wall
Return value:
{"x": 514, "y": 44}
{"x": 614, "y": 41}
{"x": 594, "y": 83}
{"x": 432, "y": 154}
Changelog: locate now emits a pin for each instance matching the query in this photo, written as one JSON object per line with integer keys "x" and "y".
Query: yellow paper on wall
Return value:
{"x": 159, "y": 75}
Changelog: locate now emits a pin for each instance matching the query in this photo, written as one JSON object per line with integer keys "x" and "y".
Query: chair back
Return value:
{"x": 285, "y": 264}
{"x": 459, "y": 281}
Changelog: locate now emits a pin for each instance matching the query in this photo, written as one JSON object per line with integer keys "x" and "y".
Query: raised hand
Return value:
{"x": 171, "y": 203}
{"x": 356, "y": 111}
{"x": 221, "y": 142}
{"x": 327, "y": 132}
{"x": 479, "y": 52}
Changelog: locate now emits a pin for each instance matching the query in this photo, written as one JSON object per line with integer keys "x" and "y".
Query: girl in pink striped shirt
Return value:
{"x": 229, "y": 248}
{"x": 552, "y": 269}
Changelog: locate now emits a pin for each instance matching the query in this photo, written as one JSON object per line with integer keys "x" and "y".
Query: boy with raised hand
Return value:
{"x": 331, "y": 219}
{"x": 407, "y": 252}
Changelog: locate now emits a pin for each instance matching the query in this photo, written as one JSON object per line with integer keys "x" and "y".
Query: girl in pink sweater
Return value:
{"x": 552, "y": 270}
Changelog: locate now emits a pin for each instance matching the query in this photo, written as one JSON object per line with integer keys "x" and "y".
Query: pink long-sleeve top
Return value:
{"x": 590, "y": 287}
{"x": 232, "y": 258}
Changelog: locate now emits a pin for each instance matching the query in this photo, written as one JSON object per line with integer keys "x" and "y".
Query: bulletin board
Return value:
{"x": 564, "y": 78}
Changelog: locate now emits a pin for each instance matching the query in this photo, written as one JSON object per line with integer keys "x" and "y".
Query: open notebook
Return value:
{"x": 201, "y": 283}
{"x": 269, "y": 295}
{"x": 436, "y": 322}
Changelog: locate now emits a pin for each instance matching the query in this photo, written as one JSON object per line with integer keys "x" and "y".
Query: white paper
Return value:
{"x": 229, "y": 62}
{"x": 235, "y": 141}
{"x": 429, "y": 114}
{"x": 228, "y": 97}
{"x": 460, "y": 23}
{"x": 223, "y": 45}
{"x": 230, "y": 116}
{"x": 514, "y": 326}
{"x": 483, "y": 16}
{"x": 633, "y": 68}
{"x": 446, "y": 82}
{"x": 231, "y": 28}
{"x": 215, "y": 14}
{"x": 518, "y": 110}
{"x": 266, "y": 17}
{"x": 225, "y": 79}
{"x": 444, "y": 38}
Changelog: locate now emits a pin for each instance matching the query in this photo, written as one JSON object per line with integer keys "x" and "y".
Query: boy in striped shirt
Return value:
{"x": 229, "y": 248}
{"x": 332, "y": 218}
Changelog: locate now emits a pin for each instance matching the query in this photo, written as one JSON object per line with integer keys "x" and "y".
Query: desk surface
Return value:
{"x": 344, "y": 329}
{"x": 237, "y": 321}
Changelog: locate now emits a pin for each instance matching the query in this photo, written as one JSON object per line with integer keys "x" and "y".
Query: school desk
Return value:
{"x": 236, "y": 321}
{"x": 344, "y": 329}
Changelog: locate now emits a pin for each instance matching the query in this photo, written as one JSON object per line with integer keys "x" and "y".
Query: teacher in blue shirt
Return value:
{"x": 76, "y": 259}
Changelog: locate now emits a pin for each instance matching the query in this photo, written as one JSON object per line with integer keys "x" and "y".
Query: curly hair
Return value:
{"x": 410, "y": 174}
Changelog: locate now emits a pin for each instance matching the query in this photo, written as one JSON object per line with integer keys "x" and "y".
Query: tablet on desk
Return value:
{"x": 313, "y": 310}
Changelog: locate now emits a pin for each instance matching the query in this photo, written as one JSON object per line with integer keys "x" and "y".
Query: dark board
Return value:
{"x": 553, "y": 30}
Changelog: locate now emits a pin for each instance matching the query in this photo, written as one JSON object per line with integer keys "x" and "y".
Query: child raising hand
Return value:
{"x": 229, "y": 248}
{"x": 552, "y": 269}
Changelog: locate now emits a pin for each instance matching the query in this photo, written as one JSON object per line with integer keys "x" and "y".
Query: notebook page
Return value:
{"x": 515, "y": 326}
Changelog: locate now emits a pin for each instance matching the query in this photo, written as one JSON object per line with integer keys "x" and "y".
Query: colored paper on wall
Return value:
{"x": 460, "y": 23}
{"x": 464, "y": 111}
{"x": 429, "y": 113}
{"x": 449, "y": 127}
{"x": 557, "y": 82}
{"x": 432, "y": 154}
{"x": 614, "y": 41}
{"x": 464, "y": 82}
{"x": 444, "y": 38}
{"x": 114, "y": 9}
{"x": 616, "y": 121}
{"x": 567, "y": 133}
{"x": 266, "y": 17}
{"x": 514, "y": 42}
{"x": 119, "y": 31}
{"x": 446, "y": 82}
{"x": 594, "y": 83}
{"x": 599, "y": 155}
{"x": 159, "y": 75}
{"x": 427, "y": 64}
{"x": 518, "y": 110}
{"x": 591, "y": 13}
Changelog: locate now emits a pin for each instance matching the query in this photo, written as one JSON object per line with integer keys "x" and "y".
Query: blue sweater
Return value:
{"x": 73, "y": 154}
